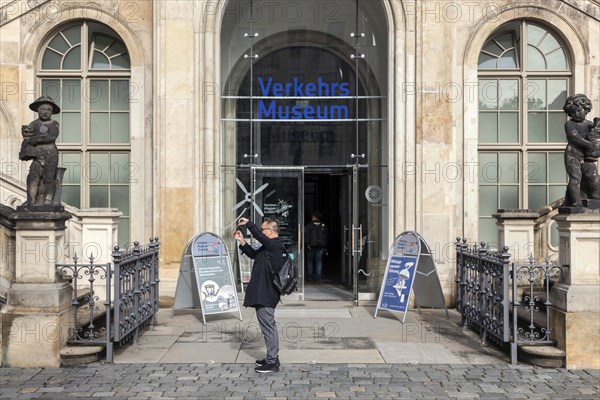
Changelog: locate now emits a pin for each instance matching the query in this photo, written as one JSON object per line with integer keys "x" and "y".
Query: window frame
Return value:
{"x": 85, "y": 75}
{"x": 523, "y": 75}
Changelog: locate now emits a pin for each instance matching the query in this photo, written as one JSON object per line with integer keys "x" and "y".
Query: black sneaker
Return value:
{"x": 267, "y": 368}
{"x": 262, "y": 362}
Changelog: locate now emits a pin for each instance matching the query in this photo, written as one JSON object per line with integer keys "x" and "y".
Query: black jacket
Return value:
{"x": 260, "y": 290}
{"x": 313, "y": 232}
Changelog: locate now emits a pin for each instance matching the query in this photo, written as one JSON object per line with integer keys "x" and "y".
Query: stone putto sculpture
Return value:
{"x": 39, "y": 146}
{"x": 582, "y": 153}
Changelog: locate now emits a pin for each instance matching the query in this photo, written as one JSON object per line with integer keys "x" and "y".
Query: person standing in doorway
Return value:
{"x": 261, "y": 292}
{"x": 316, "y": 237}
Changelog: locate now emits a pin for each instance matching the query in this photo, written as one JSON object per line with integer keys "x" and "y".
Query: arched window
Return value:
{"x": 522, "y": 90}
{"x": 85, "y": 68}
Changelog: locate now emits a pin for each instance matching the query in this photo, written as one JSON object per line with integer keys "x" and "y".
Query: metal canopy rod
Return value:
{"x": 356, "y": 156}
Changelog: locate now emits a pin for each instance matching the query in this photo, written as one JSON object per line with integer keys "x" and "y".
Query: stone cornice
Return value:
{"x": 18, "y": 8}
{"x": 589, "y": 7}
{"x": 7, "y": 217}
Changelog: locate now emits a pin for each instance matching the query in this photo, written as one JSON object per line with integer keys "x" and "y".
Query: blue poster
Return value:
{"x": 410, "y": 267}
{"x": 398, "y": 283}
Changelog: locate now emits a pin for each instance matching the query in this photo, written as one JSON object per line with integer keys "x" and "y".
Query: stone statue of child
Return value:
{"x": 589, "y": 167}
{"x": 594, "y": 138}
{"x": 39, "y": 145}
{"x": 583, "y": 176}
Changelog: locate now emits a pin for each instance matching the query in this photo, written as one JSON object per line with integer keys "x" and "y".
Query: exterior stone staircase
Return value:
{"x": 535, "y": 324}
{"x": 77, "y": 353}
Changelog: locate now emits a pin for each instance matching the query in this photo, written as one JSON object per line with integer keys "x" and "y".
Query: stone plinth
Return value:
{"x": 516, "y": 230}
{"x": 577, "y": 334}
{"x": 36, "y": 324}
{"x": 39, "y": 245}
{"x": 575, "y": 311}
{"x": 100, "y": 233}
{"x": 7, "y": 249}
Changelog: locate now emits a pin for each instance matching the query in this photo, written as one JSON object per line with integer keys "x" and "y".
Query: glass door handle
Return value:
{"x": 345, "y": 239}
{"x": 360, "y": 240}
{"x": 357, "y": 246}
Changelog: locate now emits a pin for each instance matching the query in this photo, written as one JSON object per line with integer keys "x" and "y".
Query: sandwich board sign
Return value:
{"x": 206, "y": 277}
{"x": 410, "y": 267}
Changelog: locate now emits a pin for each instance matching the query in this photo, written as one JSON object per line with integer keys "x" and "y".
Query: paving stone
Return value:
{"x": 462, "y": 395}
{"x": 295, "y": 381}
{"x": 79, "y": 394}
{"x": 51, "y": 389}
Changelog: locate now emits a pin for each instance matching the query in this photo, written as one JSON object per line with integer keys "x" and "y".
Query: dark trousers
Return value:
{"x": 314, "y": 263}
{"x": 266, "y": 320}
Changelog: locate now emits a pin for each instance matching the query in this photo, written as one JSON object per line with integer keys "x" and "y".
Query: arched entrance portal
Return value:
{"x": 304, "y": 129}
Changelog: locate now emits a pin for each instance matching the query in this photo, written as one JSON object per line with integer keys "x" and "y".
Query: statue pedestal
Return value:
{"x": 516, "y": 230}
{"x": 575, "y": 310}
{"x": 36, "y": 324}
{"x": 40, "y": 245}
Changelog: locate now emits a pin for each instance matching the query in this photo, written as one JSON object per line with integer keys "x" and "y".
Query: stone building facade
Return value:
{"x": 386, "y": 115}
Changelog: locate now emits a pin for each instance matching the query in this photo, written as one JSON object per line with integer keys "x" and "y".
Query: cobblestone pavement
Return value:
{"x": 299, "y": 381}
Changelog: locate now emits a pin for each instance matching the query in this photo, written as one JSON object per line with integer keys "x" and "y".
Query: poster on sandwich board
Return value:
{"x": 206, "y": 277}
{"x": 410, "y": 267}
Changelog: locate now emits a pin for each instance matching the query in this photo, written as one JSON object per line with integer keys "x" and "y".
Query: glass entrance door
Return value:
{"x": 306, "y": 102}
{"x": 364, "y": 242}
{"x": 278, "y": 195}
{"x": 353, "y": 242}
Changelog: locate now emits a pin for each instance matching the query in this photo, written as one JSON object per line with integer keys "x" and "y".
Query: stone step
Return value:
{"x": 98, "y": 323}
{"x": 83, "y": 297}
{"x": 539, "y": 292}
{"x": 524, "y": 316}
{"x": 539, "y": 313}
{"x": 89, "y": 324}
{"x": 539, "y": 297}
{"x": 84, "y": 316}
{"x": 542, "y": 356}
{"x": 80, "y": 354}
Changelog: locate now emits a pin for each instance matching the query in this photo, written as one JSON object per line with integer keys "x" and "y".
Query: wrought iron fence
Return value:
{"x": 532, "y": 334}
{"x": 483, "y": 279}
{"x": 86, "y": 304}
{"x": 136, "y": 289}
{"x": 134, "y": 275}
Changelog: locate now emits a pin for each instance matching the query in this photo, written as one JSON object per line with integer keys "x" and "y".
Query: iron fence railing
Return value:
{"x": 532, "y": 334}
{"x": 86, "y": 303}
{"x": 482, "y": 278}
{"x": 136, "y": 289}
{"x": 487, "y": 295}
{"x": 126, "y": 292}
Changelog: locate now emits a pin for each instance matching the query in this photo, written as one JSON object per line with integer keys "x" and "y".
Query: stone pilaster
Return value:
{"x": 36, "y": 324}
{"x": 575, "y": 311}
